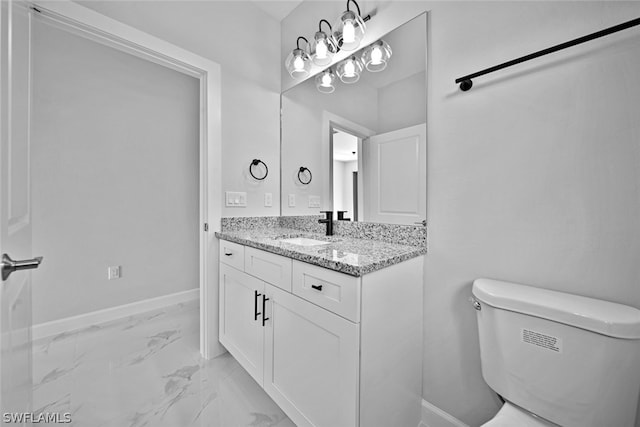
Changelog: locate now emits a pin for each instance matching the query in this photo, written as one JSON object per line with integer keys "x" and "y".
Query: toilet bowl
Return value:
{"x": 567, "y": 359}
{"x": 511, "y": 415}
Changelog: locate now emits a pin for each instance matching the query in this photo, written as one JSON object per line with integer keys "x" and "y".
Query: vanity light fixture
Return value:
{"x": 323, "y": 46}
{"x": 325, "y": 81}
{"x": 349, "y": 28}
{"x": 376, "y": 56}
{"x": 298, "y": 63}
{"x": 349, "y": 70}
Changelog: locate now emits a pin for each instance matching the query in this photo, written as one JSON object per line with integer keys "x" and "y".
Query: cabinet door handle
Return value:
{"x": 256, "y": 313}
{"x": 228, "y": 253}
{"x": 317, "y": 287}
{"x": 264, "y": 311}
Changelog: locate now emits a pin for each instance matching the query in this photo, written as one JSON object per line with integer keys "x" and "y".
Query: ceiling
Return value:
{"x": 277, "y": 9}
{"x": 345, "y": 146}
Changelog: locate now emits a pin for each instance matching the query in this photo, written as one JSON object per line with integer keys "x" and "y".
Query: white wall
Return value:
{"x": 115, "y": 176}
{"x": 532, "y": 175}
{"x": 244, "y": 40}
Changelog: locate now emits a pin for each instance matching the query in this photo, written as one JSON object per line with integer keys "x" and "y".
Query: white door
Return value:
{"x": 395, "y": 176}
{"x": 311, "y": 362}
{"x": 241, "y": 325}
{"x": 15, "y": 211}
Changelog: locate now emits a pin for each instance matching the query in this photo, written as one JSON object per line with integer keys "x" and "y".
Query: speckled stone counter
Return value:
{"x": 348, "y": 255}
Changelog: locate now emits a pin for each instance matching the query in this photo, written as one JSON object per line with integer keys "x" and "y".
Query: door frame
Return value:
{"x": 110, "y": 32}
{"x": 329, "y": 122}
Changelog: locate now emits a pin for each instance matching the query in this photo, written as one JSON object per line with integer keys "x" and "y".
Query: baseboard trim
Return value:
{"x": 55, "y": 327}
{"x": 432, "y": 416}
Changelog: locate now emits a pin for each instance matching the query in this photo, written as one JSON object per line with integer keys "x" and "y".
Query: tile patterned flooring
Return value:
{"x": 146, "y": 370}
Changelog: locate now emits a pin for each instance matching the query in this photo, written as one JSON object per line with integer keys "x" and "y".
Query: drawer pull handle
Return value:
{"x": 317, "y": 287}
{"x": 264, "y": 311}
{"x": 228, "y": 253}
{"x": 256, "y": 313}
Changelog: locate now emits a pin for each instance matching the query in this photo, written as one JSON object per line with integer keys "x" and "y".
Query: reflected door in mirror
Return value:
{"x": 394, "y": 168}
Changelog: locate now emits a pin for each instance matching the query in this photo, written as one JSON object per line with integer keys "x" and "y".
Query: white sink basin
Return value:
{"x": 304, "y": 241}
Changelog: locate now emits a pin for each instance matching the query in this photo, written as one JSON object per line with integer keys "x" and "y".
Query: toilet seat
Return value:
{"x": 511, "y": 415}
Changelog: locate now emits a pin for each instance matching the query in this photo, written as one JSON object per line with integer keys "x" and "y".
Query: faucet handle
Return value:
{"x": 341, "y": 216}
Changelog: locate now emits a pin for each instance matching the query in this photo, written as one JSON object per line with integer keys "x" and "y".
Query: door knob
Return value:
{"x": 9, "y": 265}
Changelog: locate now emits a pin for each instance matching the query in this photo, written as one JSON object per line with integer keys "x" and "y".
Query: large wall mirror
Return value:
{"x": 363, "y": 146}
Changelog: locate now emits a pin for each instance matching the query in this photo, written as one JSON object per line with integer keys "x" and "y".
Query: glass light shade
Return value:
{"x": 325, "y": 81}
{"x": 323, "y": 47}
{"x": 349, "y": 70}
{"x": 298, "y": 64}
{"x": 376, "y": 56}
{"x": 349, "y": 30}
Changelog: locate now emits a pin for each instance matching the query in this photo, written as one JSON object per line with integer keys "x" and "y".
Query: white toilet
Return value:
{"x": 557, "y": 358}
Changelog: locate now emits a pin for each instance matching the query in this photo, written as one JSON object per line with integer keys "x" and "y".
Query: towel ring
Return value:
{"x": 256, "y": 162}
{"x": 301, "y": 172}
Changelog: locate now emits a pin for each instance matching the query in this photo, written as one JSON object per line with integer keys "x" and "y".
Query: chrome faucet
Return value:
{"x": 328, "y": 221}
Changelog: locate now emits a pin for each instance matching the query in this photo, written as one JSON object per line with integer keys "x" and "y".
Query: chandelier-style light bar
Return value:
{"x": 350, "y": 69}
{"x": 325, "y": 81}
{"x": 346, "y": 34}
{"x": 323, "y": 46}
{"x": 349, "y": 29}
{"x": 376, "y": 56}
{"x": 298, "y": 63}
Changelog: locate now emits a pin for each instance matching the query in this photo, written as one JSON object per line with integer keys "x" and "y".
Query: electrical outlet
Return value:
{"x": 268, "y": 200}
{"x": 292, "y": 200}
{"x": 114, "y": 272}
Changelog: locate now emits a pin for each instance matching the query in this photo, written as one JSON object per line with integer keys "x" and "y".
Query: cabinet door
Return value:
{"x": 241, "y": 330}
{"x": 311, "y": 362}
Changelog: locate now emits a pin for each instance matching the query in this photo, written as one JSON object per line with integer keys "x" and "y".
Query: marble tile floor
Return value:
{"x": 146, "y": 370}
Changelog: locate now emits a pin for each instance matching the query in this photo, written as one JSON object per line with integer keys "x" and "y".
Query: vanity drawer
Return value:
{"x": 232, "y": 254}
{"x": 271, "y": 268}
{"x": 337, "y": 292}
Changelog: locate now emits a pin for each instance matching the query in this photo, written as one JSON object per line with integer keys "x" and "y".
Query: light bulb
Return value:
{"x": 326, "y": 80}
{"x": 376, "y": 56}
{"x": 348, "y": 31}
{"x": 298, "y": 63}
{"x": 349, "y": 69}
{"x": 321, "y": 50}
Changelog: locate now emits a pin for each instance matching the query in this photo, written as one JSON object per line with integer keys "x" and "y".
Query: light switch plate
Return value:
{"x": 314, "y": 201}
{"x": 268, "y": 200}
{"x": 292, "y": 200}
{"x": 236, "y": 199}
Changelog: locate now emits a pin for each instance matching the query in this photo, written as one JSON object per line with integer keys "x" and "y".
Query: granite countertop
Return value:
{"x": 349, "y": 255}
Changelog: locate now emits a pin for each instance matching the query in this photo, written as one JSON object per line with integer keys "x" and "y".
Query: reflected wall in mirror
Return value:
{"x": 364, "y": 143}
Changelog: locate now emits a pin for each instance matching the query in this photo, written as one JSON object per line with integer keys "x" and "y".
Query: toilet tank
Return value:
{"x": 572, "y": 360}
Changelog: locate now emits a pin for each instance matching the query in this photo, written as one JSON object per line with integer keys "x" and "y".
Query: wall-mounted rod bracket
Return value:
{"x": 466, "y": 81}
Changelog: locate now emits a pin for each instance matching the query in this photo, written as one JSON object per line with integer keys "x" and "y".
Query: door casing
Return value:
{"x": 108, "y": 31}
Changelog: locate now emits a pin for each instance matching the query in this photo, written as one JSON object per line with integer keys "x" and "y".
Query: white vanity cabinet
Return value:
{"x": 332, "y": 350}
{"x": 311, "y": 362}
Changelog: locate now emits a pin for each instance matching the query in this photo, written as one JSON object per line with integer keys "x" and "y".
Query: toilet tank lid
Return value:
{"x": 604, "y": 317}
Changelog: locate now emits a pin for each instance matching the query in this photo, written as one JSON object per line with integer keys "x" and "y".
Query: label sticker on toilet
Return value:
{"x": 542, "y": 340}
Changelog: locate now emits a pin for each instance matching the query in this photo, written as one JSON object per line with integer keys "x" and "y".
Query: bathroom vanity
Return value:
{"x": 330, "y": 327}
